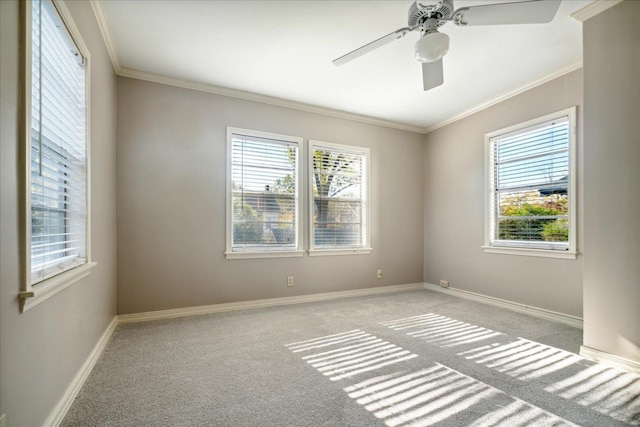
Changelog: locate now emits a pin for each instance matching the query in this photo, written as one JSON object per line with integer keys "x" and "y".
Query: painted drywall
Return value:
{"x": 42, "y": 349}
{"x": 171, "y": 202}
{"x": 454, "y": 207}
{"x": 612, "y": 181}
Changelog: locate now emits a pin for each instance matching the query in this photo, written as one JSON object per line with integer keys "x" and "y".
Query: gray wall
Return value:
{"x": 454, "y": 207}
{"x": 171, "y": 202}
{"x": 42, "y": 350}
{"x": 612, "y": 181}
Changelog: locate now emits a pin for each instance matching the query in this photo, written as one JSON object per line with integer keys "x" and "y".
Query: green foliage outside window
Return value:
{"x": 523, "y": 223}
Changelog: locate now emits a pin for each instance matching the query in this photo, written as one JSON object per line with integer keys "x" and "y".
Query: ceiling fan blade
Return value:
{"x": 398, "y": 34}
{"x": 523, "y": 12}
{"x": 432, "y": 75}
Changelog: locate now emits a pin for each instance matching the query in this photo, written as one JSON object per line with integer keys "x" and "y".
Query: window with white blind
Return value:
{"x": 531, "y": 187}
{"x": 263, "y": 195}
{"x": 56, "y": 147}
{"x": 339, "y": 203}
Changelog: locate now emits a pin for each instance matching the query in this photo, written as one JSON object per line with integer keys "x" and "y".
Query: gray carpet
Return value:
{"x": 404, "y": 359}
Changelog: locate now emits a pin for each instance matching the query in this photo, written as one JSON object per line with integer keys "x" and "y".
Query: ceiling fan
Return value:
{"x": 433, "y": 45}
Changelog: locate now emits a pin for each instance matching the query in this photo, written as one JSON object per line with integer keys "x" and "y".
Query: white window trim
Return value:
{"x": 267, "y": 253}
{"x": 572, "y": 252}
{"x": 365, "y": 249}
{"x": 32, "y": 295}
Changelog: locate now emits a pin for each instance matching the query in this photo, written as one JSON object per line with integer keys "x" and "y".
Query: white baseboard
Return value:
{"x": 57, "y": 415}
{"x": 609, "y": 359}
{"x": 271, "y": 302}
{"x": 574, "y": 321}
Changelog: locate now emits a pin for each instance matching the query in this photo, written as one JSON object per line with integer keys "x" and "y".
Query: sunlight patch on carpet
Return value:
{"x": 522, "y": 359}
{"x": 437, "y": 393}
{"x": 440, "y": 330}
{"x": 604, "y": 389}
{"x": 350, "y": 353}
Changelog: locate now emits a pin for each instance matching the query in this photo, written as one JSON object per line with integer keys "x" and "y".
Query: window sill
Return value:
{"x": 545, "y": 253}
{"x": 330, "y": 252}
{"x": 51, "y": 286}
{"x": 265, "y": 254}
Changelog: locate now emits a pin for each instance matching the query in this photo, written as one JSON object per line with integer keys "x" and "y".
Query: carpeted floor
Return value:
{"x": 404, "y": 359}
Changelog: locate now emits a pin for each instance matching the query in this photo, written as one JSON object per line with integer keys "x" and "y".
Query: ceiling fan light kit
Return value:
{"x": 433, "y": 45}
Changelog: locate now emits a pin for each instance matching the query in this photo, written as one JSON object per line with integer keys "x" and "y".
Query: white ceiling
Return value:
{"x": 284, "y": 49}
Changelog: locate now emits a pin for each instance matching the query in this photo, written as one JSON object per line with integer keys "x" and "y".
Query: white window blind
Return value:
{"x": 530, "y": 186}
{"x": 58, "y": 187}
{"x": 339, "y": 188}
{"x": 264, "y": 192}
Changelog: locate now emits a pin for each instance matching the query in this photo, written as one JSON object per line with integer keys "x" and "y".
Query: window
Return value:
{"x": 531, "y": 187}
{"x": 56, "y": 148}
{"x": 339, "y": 209}
{"x": 263, "y": 195}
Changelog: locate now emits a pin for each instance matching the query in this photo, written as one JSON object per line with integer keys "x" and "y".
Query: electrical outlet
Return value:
{"x": 3, "y": 420}
{"x": 290, "y": 281}
{"x": 379, "y": 274}
{"x": 444, "y": 283}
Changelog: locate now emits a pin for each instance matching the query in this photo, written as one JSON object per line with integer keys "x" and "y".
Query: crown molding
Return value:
{"x": 559, "y": 73}
{"x": 103, "y": 24}
{"x": 264, "y": 99}
{"x": 279, "y": 102}
{"x": 594, "y": 9}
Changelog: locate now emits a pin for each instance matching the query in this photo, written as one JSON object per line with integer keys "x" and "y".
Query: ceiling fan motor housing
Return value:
{"x": 419, "y": 12}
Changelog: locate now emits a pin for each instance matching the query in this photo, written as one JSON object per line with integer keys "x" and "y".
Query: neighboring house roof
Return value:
{"x": 261, "y": 202}
{"x": 559, "y": 186}
{"x": 269, "y": 204}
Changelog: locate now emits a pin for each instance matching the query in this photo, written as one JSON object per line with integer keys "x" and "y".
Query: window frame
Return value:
{"x": 365, "y": 247}
{"x": 518, "y": 248}
{"x": 230, "y": 252}
{"x": 32, "y": 294}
